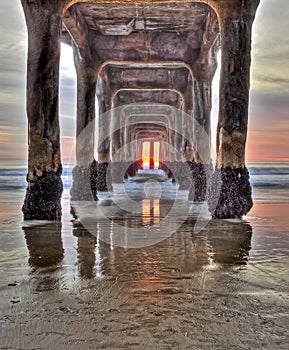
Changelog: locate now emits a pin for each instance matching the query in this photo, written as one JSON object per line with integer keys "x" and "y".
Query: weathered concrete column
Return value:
{"x": 178, "y": 137}
{"x": 139, "y": 150}
{"x": 201, "y": 165}
{"x": 115, "y": 137}
{"x": 177, "y": 165}
{"x": 202, "y": 121}
{"x": 187, "y": 119}
{"x": 131, "y": 151}
{"x": 116, "y": 154}
{"x": 104, "y": 103}
{"x": 85, "y": 171}
{"x": 204, "y": 69}
{"x": 43, "y": 194}
{"x": 230, "y": 193}
{"x": 117, "y": 150}
{"x": 185, "y": 176}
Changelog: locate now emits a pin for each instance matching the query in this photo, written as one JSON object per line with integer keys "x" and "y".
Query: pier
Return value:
{"x": 150, "y": 66}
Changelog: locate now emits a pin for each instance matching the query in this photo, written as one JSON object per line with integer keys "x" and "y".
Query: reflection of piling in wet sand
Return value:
{"x": 227, "y": 243}
{"x": 44, "y": 244}
{"x": 219, "y": 244}
{"x": 86, "y": 244}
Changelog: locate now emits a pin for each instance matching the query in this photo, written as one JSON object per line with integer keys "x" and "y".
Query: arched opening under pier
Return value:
{"x": 150, "y": 155}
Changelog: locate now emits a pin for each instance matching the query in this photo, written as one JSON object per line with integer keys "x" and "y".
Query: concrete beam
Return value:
{"x": 77, "y": 27}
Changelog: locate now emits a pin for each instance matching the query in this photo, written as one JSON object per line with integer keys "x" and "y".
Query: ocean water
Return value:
{"x": 270, "y": 181}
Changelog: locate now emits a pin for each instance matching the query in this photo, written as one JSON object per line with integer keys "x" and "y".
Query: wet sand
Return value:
{"x": 226, "y": 287}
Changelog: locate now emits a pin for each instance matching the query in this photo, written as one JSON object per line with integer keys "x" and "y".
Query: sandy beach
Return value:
{"x": 182, "y": 108}
{"x": 226, "y": 287}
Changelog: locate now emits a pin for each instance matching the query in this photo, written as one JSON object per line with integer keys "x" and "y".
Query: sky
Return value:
{"x": 268, "y": 130}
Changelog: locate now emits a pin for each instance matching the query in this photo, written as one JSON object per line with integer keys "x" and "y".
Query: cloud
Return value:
{"x": 13, "y": 142}
{"x": 13, "y": 31}
{"x": 266, "y": 103}
{"x": 67, "y": 99}
{"x": 269, "y": 98}
{"x": 13, "y": 51}
{"x": 8, "y": 98}
{"x": 268, "y": 137}
{"x": 270, "y": 50}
